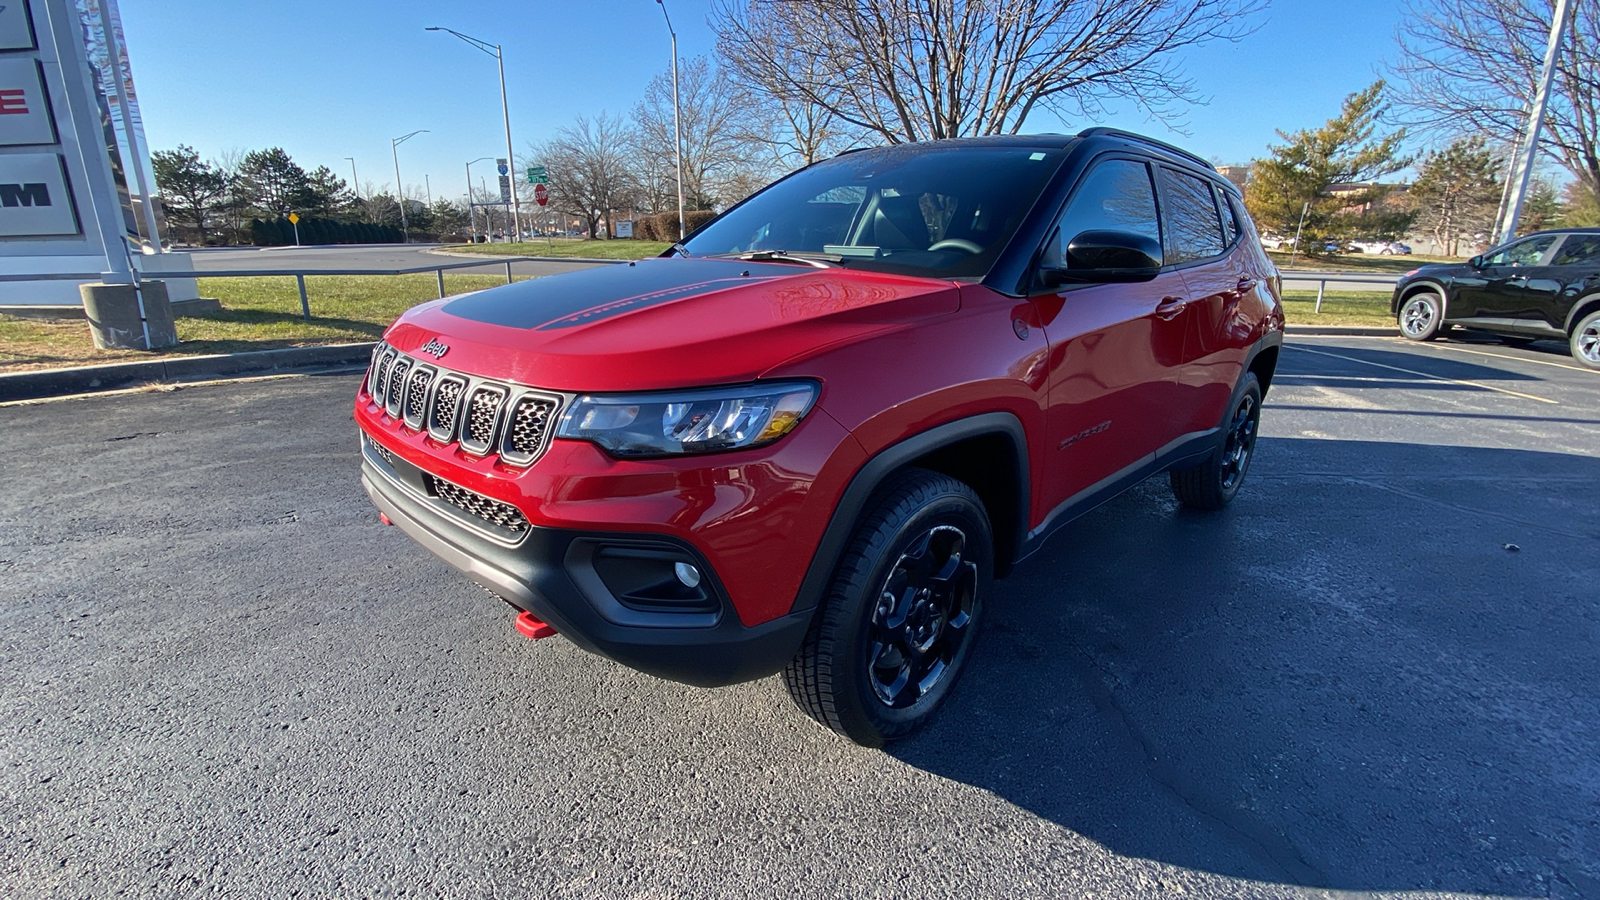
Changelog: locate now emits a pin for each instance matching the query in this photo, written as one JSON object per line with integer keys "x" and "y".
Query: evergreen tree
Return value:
{"x": 1346, "y": 150}
{"x": 191, "y": 190}
{"x": 271, "y": 182}
{"x": 1457, "y": 193}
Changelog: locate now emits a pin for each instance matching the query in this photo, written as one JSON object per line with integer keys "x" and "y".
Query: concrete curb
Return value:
{"x": 1346, "y": 330}
{"x": 112, "y": 376}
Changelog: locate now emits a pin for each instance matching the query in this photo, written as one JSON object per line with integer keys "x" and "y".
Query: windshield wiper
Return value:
{"x": 797, "y": 257}
{"x": 679, "y": 250}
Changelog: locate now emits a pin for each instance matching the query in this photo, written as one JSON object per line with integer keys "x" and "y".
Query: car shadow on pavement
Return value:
{"x": 1388, "y": 681}
{"x": 1394, "y": 366}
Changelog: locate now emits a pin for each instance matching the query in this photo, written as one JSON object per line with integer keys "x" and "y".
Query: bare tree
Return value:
{"x": 1475, "y": 64}
{"x": 716, "y": 121}
{"x": 588, "y": 167}
{"x": 913, "y": 70}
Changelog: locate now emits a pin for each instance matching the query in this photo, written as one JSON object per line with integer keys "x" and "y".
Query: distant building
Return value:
{"x": 1392, "y": 194}
{"x": 1239, "y": 175}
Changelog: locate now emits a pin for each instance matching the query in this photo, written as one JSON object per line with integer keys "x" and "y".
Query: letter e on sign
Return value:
{"x": 24, "y": 110}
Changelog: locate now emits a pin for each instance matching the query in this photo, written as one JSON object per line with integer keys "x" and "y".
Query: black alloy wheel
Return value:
{"x": 921, "y": 619}
{"x": 899, "y": 621}
{"x": 1213, "y": 483}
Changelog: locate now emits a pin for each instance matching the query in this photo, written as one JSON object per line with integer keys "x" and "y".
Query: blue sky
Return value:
{"x": 337, "y": 78}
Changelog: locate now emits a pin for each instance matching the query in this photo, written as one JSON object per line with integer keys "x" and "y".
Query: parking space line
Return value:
{"x": 1537, "y": 362}
{"x": 1476, "y": 384}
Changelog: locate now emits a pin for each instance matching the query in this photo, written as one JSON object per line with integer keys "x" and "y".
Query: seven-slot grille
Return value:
{"x": 484, "y": 416}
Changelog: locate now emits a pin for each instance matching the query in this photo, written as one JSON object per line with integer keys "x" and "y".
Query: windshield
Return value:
{"x": 941, "y": 211}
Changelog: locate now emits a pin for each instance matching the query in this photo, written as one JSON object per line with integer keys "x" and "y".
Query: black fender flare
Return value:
{"x": 853, "y": 503}
{"x": 1436, "y": 286}
{"x": 1580, "y": 309}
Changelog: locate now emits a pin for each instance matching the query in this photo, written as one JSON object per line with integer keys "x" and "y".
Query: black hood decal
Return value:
{"x": 578, "y": 298}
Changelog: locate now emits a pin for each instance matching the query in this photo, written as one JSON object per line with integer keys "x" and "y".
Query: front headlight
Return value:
{"x": 672, "y": 423}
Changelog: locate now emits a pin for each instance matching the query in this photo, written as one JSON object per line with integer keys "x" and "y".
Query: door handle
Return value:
{"x": 1246, "y": 284}
{"x": 1170, "y": 307}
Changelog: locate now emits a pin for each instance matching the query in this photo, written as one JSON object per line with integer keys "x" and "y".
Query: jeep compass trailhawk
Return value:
{"x": 808, "y": 437}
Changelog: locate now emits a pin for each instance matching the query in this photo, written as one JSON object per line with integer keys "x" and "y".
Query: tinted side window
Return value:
{"x": 1525, "y": 252}
{"x": 1577, "y": 250}
{"x": 1117, "y": 195}
{"x": 1230, "y": 216}
{"x": 1194, "y": 230}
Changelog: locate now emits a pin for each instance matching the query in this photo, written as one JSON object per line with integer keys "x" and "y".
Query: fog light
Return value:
{"x": 689, "y": 575}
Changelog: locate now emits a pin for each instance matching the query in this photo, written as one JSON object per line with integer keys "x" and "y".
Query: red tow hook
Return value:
{"x": 384, "y": 519}
{"x": 534, "y": 628}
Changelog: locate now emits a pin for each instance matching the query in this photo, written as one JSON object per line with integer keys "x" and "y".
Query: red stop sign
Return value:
{"x": 541, "y": 194}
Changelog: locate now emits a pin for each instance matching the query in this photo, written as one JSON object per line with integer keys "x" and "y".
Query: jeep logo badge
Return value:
{"x": 435, "y": 349}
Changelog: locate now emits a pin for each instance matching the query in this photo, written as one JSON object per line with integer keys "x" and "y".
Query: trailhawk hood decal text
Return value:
{"x": 578, "y": 298}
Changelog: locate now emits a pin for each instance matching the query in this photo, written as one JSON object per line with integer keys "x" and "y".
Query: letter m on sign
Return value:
{"x": 29, "y": 194}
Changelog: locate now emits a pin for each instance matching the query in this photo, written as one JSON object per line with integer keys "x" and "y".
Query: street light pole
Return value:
{"x": 505, "y": 112}
{"x": 1522, "y": 166}
{"x": 399, "y": 187}
{"x": 470, "y": 206}
{"x": 354, "y": 184}
{"x": 428, "y": 184}
{"x": 677, "y": 128}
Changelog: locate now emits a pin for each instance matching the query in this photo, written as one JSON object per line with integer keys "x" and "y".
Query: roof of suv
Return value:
{"x": 1063, "y": 141}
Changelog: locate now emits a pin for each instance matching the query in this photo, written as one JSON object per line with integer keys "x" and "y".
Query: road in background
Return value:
{"x": 1379, "y": 670}
{"x": 368, "y": 256}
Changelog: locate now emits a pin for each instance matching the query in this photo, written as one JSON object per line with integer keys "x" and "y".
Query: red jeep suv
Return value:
{"x": 808, "y": 437}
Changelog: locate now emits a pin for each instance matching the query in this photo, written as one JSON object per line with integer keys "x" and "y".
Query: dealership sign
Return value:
{"x": 24, "y": 112}
{"x": 34, "y": 198}
{"x": 16, "y": 26}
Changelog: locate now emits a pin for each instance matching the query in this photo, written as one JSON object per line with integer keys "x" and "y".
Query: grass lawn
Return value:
{"x": 1356, "y": 262}
{"x": 264, "y": 314}
{"x": 568, "y": 247}
{"x": 1338, "y": 308}
{"x": 258, "y": 314}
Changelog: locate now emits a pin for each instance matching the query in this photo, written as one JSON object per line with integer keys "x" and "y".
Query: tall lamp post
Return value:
{"x": 677, "y": 129}
{"x": 399, "y": 187}
{"x": 505, "y": 112}
{"x": 470, "y": 206}
{"x": 354, "y": 184}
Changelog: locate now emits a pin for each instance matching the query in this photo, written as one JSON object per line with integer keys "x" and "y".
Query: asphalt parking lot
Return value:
{"x": 1377, "y": 673}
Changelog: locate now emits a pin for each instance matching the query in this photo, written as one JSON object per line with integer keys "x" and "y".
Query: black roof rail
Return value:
{"x": 1107, "y": 131}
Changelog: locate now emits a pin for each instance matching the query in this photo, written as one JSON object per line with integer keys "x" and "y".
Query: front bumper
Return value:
{"x": 550, "y": 573}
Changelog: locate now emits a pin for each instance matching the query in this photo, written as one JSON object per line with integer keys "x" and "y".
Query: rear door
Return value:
{"x": 1576, "y": 270}
{"x": 1202, "y": 239}
{"x": 1114, "y": 348}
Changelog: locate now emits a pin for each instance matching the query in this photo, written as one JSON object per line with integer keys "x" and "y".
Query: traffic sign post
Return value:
{"x": 538, "y": 175}
{"x": 294, "y": 220}
{"x": 541, "y": 194}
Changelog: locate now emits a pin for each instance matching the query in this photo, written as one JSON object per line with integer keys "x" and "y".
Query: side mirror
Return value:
{"x": 1476, "y": 262}
{"x": 1103, "y": 256}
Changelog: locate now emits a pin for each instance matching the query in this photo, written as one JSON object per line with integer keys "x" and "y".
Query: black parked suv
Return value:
{"x": 1545, "y": 285}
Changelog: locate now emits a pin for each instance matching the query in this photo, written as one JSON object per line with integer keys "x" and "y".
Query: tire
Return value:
{"x": 1585, "y": 342}
{"x": 1214, "y": 483}
{"x": 1421, "y": 317}
{"x": 899, "y": 620}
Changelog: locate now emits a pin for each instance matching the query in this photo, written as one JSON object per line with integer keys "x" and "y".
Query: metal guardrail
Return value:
{"x": 300, "y": 275}
{"x": 1322, "y": 279}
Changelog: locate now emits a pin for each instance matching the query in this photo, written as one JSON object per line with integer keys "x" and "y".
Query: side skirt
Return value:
{"x": 1187, "y": 449}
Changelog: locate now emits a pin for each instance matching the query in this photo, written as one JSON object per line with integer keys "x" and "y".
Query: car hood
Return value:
{"x": 662, "y": 323}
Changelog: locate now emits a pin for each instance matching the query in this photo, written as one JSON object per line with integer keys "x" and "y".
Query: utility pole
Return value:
{"x": 354, "y": 184}
{"x": 677, "y": 128}
{"x": 1522, "y": 164}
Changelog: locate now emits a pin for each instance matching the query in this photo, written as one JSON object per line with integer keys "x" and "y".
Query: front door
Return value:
{"x": 1115, "y": 349}
{"x": 1498, "y": 288}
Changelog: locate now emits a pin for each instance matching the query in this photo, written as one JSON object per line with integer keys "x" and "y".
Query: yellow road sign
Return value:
{"x": 294, "y": 218}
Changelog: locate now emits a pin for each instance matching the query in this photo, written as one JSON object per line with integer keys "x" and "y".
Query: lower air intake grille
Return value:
{"x": 501, "y": 515}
